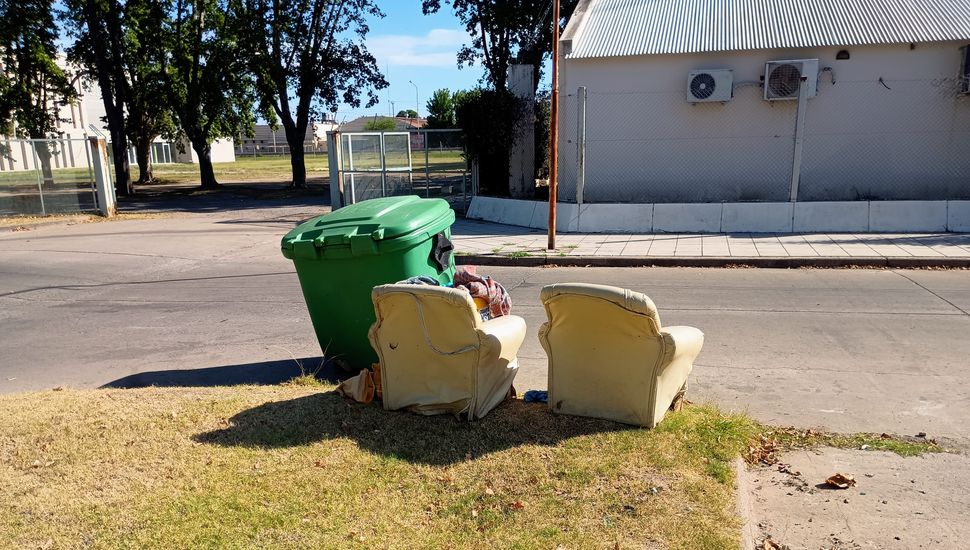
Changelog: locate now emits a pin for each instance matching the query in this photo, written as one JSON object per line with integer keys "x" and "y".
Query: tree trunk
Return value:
{"x": 294, "y": 138}
{"x": 119, "y": 150}
{"x": 143, "y": 155}
{"x": 298, "y": 165}
{"x": 295, "y": 133}
{"x": 204, "y": 151}
{"x": 42, "y": 148}
{"x": 112, "y": 93}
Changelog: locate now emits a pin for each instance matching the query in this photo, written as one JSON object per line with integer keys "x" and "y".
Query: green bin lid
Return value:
{"x": 374, "y": 220}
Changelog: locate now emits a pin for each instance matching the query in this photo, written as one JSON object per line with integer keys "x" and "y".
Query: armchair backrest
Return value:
{"x": 600, "y": 341}
{"x": 635, "y": 303}
{"x": 445, "y": 317}
{"x": 428, "y": 341}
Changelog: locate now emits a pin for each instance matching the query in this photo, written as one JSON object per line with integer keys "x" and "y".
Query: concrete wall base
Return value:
{"x": 747, "y": 217}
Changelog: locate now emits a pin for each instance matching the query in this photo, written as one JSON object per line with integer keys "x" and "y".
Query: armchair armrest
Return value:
{"x": 505, "y": 335}
{"x": 681, "y": 344}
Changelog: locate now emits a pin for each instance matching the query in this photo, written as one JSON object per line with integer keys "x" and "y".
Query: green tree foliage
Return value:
{"x": 441, "y": 109}
{"x": 380, "y": 125}
{"x": 488, "y": 122}
{"x": 308, "y": 56}
{"x": 207, "y": 80}
{"x": 407, "y": 113}
{"x": 128, "y": 70}
{"x": 149, "y": 115}
{"x": 32, "y": 85}
{"x": 99, "y": 49}
{"x": 504, "y": 32}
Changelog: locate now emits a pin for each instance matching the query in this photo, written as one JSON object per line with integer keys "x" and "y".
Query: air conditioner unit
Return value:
{"x": 783, "y": 79}
{"x": 710, "y": 85}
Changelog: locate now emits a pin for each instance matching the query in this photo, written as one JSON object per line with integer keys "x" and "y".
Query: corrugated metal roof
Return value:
{"x": 637, "y": 27}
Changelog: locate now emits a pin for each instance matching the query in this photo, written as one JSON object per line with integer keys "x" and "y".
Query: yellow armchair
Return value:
{"x": 610, "y": 358}
{"x": 437, "y": 355}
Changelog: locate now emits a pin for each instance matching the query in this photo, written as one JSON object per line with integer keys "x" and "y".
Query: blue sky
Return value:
{"x": 410, "y": 46}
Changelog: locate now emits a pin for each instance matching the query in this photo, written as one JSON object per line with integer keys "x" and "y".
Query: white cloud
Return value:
{"x": 437, "y": 48}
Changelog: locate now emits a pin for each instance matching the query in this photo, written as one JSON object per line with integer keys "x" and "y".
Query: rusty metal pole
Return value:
{"x": 554, "y": 127}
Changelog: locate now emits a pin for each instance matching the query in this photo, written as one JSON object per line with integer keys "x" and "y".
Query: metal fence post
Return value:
{"x": 102, "y": 176}
{"x": 383, "y": 168}
{"x": 94, "y": 186}
{"x": 350, "y": 160}
{"x": 427, "y": 166}
{"x": 334, "y": 166}
{"x": 581, "y": 145}
{"x": 796, "y": 168}
{"x": 40, "y": 177}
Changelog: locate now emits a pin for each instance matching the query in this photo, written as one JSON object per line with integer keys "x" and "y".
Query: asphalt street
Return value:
{"x": 207, "y": 298}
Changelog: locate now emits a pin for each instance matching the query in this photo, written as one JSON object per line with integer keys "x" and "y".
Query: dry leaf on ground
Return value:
{"x": 840, "y": 481}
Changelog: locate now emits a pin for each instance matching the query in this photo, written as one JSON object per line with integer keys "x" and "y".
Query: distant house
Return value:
{"x": 267, "y": 141}
{"x": 402, "y": 124}
{"x": 85, "y": 116}
{"x": 691, "y": 101}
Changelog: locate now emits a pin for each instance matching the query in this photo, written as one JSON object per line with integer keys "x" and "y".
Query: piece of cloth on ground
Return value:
{"x": 536, "y": 396}
{"x": 491, "y": 297}
{"x": 360, "y": 388}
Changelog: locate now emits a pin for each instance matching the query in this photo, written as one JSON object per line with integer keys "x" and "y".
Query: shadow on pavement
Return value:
{"x": 434, "y": 440}
{"x": 264, "y": 373}
{"x": 228, "y": 197}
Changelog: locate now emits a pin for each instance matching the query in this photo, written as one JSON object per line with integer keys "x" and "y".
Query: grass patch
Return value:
{"x": 305, "y": 380}
{"x": 772, "y": 441}
{"x": 298, "y": 466}
{"x": 518, "y": 254}
{"x": 294, "y": 466}
{"x": 245, "y": 168}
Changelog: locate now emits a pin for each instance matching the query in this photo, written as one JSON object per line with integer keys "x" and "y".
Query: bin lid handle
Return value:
{"x": 346, "y": 237}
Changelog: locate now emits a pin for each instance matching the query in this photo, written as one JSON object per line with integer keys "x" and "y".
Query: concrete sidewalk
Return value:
{"x": 496, "y": 244}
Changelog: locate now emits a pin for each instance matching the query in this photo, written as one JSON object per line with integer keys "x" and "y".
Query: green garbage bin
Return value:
{"x": 341, "y": 256}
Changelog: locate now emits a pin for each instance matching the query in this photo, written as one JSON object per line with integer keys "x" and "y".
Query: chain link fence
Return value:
{"x": 41, "y": 177}
{"x": 428, "y": 163}
{"x": 863, "y": 140}
{"x": 911, "y": 141}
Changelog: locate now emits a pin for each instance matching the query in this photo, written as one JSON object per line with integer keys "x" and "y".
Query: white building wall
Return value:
{"x": 222, "y": 151}
{"x": 907, "y": 137}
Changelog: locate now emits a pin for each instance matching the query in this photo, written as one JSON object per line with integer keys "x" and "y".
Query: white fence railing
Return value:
{"x": 428, "y": 163}
{"x": 42, "y": 177}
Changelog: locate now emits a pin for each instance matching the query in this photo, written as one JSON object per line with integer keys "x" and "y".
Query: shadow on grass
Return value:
{"x": 433, "y": 440}
{"x": 263, "y": 373}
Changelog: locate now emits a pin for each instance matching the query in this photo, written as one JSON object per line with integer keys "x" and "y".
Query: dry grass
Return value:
{"x": 28, "y": 222}
{"x": 298, "y": 466}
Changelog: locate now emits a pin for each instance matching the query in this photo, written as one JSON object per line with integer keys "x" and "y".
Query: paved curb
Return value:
{"x": 745, "y": 510}
{"x": 711, "y": 261}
